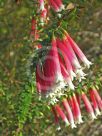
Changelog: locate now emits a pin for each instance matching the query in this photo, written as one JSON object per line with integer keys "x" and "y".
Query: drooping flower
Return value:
{"x": 62, "y": 51}
{"x": 69, "y": 113}
{"x": 54, "y": 44}
{"x": 73, "y": 59}
{"x": 97, "y": 96}
{"x": 55, "y": 115}
{"x": 78, "y": 116}
{"x": 94, "y": 102}
{"x": 61, "y": 114}
{"x": 56, "y": 5}
{"x": 78, "y": 51}
{"x": 65, "y": 74}
{"x": 57, "y": 72}
{"x": 59, "y": 4}
{"x": 71, "y": 103}
{"x": 71, "y": 55}
{"x": 88, "y": 105}
{"x": 55, "y": 64}
{"x": 42, "y": 84}
{"x": 78, "y": 98}
{"x": 52, "y": 70}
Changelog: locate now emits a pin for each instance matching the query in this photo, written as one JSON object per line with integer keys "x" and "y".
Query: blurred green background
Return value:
{"x": 21, "y": 113}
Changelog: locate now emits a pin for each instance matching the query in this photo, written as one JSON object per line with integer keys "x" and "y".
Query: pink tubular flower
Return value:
{"x": 56, "y": 59}
{"x": 61, "y": 114}
{"x": 54, "y": 5}
{"x": 55, "y": 115}
{"x": 62, "y": 50}
{"x": 52, "y": 63}
{"x": 52, "y": 70}
{"x": 71, "y": 55}
{"x": 94, "y": 102}
{"x": 40, "y": 83}
{"x": 78, "y": 51}
{"x": 78, "y": 98}
{"x": 71, "y": 103}
{"x": 78, "y": 116}
{"x": 88, "y": 105}
{"x": 69, "y": 113}
{"x": 66, "y": 75}
{"x": 73, "y": 59}
{"x": 97, "y": 96}
{"x": 59, "y": 4}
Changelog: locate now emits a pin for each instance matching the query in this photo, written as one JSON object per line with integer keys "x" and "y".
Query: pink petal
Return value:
{"x": 61, "y": 114}
{"x": 69, "y": 113}
{"x": 88, "y": 105}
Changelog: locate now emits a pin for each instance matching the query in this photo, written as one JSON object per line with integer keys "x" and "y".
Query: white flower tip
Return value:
{"x": 62, "y": 85}
{"x": 80, "y": 120}
{"x": 58, "y": 128}
{"x": 97, "y": 112}
{"x": 71, "y": 86}
{"x": 87, "y": 62}
{"x": 83, "y": 78}
{"x": 67, "y": 122}
{"x": 42, "y": 21}
{"x": 80, "y": 74}
{"x": 59, "y": 15}
{"x": 93, "y": 116}
{"x": 73, "y": 126}
{"x": 57, "y": 10}
{"x": 76, "y": 64}
{"x": 72, "y": 75}
{"x": 53, "y": 101}
{"x": 42, "y": 6}
{"x": 62, "y": 6}
{"x": 58, "y": 77}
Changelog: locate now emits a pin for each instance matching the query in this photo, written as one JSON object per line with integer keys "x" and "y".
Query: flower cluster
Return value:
{"x": 71, "y": 112}
{"x": 57, "y": 75}
{"x": 60, "y": 71}
{"x": 61, "y": 66}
